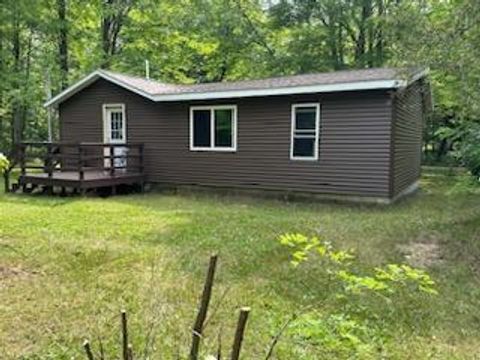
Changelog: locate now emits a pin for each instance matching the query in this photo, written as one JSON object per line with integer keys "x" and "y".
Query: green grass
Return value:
{"x": 68, "y": 265}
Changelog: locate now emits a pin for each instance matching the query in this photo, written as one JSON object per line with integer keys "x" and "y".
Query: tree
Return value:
{"x": 215, "y": 40}
{"x": 114, "y": 14}
{"x": 63, "y": 42}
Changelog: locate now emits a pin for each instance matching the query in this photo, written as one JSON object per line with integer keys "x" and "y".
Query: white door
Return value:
{"x": 115, "y": 132}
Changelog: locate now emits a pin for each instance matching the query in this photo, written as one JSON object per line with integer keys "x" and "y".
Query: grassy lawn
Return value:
{"x": 68, "y": 265}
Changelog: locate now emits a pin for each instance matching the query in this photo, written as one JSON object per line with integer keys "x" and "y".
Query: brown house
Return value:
{"x": 348, "y": 134}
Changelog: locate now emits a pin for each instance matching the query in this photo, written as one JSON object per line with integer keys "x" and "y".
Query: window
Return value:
{"x": 114, "y": 123}
{"x": 213, "y": 128}
{"x": 305, "y": 131}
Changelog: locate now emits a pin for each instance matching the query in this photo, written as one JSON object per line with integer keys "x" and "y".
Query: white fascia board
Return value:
{"x": 88, "y": 80}
{"x": 309, "y": 89}
{"x": 83, "y": 83}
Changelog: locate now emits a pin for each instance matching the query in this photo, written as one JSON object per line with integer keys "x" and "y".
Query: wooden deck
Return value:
{"x": 93, "y": 179}
{"x": 79, "y": 166}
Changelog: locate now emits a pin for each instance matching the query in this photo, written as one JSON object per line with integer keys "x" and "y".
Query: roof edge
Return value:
{"x": 290, "y": 90}
{"x": 88, "y": 80}
{"x": 210, "y": 95}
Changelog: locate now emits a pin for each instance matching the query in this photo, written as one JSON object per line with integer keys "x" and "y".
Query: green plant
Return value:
{"x": 380, "y": 296}
{"x": 466, "y": 138}
{"x": 469, "y": 149}
{"x": 337, "y": 335}
{"x": 384, "y": 279}
{"x": 4, "y": 163}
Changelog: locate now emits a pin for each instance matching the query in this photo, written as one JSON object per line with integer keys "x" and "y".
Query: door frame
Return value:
{"x": 107, "y": 123}
{"x": 107, "y": 132}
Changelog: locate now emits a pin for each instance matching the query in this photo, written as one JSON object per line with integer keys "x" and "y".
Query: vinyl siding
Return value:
{"x": 354, "y": 149}
{"x": 407, "y": 137}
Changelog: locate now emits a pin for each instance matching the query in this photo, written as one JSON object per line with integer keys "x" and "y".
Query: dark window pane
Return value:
{"x": 223, "y": 128}
{"x": 305, "y": 118}
{"x": 303, "y": 147}
{"x": 201, "y": 128}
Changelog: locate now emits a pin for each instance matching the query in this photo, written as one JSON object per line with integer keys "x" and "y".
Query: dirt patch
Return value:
{"x": 11, "y": 273}
{"x": 422, "y": 254}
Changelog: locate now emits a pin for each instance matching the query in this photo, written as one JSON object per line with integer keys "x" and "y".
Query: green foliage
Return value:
{"x": 4, "y": 163}
{"x": 389, "y": 294}
{"x": 468, "y": 149}
{"x": 388, "y": 279}
{"x": 336, "y": 335}
{"x": 200, "y": 41}
{"x": 302, "y": 246}
{"x": 384, "y": 279}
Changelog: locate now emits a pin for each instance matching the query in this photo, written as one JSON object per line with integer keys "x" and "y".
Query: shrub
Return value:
{"x": 364, "y": 307}
{"x": 4, "y": 163}
{"x": 469, "y": 149}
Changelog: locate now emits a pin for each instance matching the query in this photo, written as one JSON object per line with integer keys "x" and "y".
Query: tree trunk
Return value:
{"x": 361, "y": 43}
{"x": 379, "y": 40}
{"x": 63, "y": 42}
{"x": 114, "y": 13}
{"x": 17, "y": 121}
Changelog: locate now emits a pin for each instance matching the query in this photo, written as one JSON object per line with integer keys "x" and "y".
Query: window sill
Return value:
{"x": 303, "y": 159}
{"x": 231, "y": 150}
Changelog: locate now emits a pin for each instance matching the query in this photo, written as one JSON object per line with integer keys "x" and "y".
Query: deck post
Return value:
{"x": 112, "y": 160}
{"x": 49, "y": 161}
{"x": 49, "y": 167}
{"x": 81, "y": 174}
{"x": 22, "y": 149}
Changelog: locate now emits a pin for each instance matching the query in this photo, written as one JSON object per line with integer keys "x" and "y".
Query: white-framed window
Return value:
{"x": 213, "y": 128}
{"x": 305, "y": 131}
{"x": 114, "y": 123}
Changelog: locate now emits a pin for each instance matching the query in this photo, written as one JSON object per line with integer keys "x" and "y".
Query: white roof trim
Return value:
{"x": 88, "y": 80}
{"x": 291, "y": 90}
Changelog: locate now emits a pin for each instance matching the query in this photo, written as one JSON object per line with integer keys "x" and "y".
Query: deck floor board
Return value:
{"x": 92, "y": 179}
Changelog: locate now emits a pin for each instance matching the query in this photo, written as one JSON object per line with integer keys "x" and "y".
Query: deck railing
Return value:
{"x": 80, "y": 158}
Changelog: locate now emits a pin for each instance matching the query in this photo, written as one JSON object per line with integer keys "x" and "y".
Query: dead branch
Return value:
{"x": 276, "y": 338}
{"x": 88, "y": 350}
{"x": 237, "y": 342}
{"x": 124, "y": 335}
{"x": 202, "y": 312}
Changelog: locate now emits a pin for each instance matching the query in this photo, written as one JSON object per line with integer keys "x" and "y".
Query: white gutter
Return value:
{"x": 292, "y": 90}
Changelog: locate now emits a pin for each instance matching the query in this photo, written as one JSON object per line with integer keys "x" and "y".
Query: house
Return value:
{"x": 354, "y": 135}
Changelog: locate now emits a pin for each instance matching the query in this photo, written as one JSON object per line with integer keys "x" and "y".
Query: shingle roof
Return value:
{"x": 347, "y": 80}
{"x": 338, "y": 77}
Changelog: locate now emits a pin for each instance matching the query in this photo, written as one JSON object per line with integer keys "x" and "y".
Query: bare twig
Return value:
{"x": 88, "y": 350}
{"x": 276, "y": 338}
{"x": 237, "y": 342}
{"x": 202, "y": 312}
{"x": 124, "y": 335}
{"x": 216, "y": 307}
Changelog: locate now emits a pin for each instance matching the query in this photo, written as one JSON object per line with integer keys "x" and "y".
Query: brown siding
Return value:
{"x": 354, "y": 154}
{"x": 407, "y": 137}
